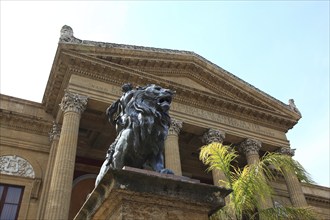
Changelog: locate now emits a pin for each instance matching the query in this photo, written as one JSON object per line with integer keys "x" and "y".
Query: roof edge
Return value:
{"x": 67, "y": 37}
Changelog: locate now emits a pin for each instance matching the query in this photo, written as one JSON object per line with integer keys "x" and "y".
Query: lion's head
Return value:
{"x": 153, "y": 96}
{"x": 142, "y": 122}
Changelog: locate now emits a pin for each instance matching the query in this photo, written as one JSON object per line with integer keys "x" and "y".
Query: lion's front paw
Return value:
{"x": 167, "y": 171}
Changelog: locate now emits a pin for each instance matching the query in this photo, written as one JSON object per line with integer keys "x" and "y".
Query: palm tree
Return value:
{"x": 251, "y": 186}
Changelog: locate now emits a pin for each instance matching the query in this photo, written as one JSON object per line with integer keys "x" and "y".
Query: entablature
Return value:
{"x": 211, "y": 88}
{"x": 23, "y": 122}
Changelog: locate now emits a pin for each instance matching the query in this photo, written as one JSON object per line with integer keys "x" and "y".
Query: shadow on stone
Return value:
{"x": 133, "y": 193}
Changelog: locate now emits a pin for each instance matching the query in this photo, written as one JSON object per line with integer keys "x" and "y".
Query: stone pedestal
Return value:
{"x": 140, "y": 194}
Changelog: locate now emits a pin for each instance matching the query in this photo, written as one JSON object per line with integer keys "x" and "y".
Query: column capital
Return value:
{"x": 54, "y": 132}
{"x": 213, "y": 135}
{"x": 73, "y": 102}
{"x": 287, "y": 151}
{"x": 250, "y": 146}
{"x": 175, "y": 127}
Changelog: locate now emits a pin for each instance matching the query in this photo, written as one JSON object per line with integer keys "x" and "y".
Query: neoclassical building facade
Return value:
{"x": 51, "y": 152}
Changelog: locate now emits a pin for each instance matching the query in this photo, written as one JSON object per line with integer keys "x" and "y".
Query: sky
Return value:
{"x": 280, "y": 47}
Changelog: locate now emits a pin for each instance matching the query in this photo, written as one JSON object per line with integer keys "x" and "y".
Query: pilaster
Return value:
{"x": 54, "y": 136}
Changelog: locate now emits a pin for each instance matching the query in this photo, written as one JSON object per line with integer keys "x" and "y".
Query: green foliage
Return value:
{"x": 287, "y": 213}
{"x": 250, "y": 185}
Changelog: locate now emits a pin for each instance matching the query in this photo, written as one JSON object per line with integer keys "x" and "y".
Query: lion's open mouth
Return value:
{"x": 165, "y": 102}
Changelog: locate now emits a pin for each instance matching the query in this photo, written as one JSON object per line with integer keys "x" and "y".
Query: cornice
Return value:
{"x": 187, "y": 95}
{"x": 231, "y": 83}
{"x": 8, "y": 98}
{"x": 210, "y": 76}
{"x": 26, "y": 123}
{"x": 97, "y": 69}
{"x": 194, "y": 63}
{"x": 231, "y": 101}
{"x": 317, "y": 199}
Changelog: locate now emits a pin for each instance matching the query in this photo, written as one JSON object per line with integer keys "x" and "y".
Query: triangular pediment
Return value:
{"x": 188, "y": 82}
{"x": 196, "y": 77}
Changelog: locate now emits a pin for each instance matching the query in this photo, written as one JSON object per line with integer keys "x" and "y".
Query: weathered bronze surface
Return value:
{"x": 142, "y": 122}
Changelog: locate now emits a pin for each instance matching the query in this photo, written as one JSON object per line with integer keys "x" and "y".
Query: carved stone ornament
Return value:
{"x": 175, "y": 127}
{"x": 250, "y": 146}
{"x": 54, "y": 132}
{"x": 73, "y": 102}
{"x": 287, "y": 151}
{"x": 293, "y": 106}
{"x": 67, "y": 35}
{"x": 16, "y": 166}
{"x": 213, "y": 135}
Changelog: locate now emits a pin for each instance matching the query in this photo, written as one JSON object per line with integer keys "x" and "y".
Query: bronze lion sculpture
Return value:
{"x": 142, "y": 122}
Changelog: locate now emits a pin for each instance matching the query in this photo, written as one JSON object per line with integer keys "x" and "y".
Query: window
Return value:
{"x": 10, "y": 201}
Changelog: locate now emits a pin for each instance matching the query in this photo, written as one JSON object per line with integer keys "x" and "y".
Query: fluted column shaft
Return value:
{"x": 172, "y": 151}
{"x": 61, "y": 184}
{"x": 54, "y": 136}
{"x": 251, "y": 148}
{"x": 214, "y": 135}
{"x": 296, "y": 193}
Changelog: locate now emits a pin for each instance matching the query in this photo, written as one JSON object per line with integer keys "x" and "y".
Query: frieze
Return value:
{"x": 16, "y": 166}
{"x": 110, "y": 89}
{"x": 238, "y": 107}
{"x": 24, "y": 123}
{"x": 209, "y": 102}
{"x": 189, "y": 110}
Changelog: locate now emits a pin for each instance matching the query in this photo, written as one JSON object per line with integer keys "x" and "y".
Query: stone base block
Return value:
{"x": 140, "y": 194}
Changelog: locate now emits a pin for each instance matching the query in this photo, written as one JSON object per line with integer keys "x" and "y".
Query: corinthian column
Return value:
{"x": 58, "y": 203}
{"x": 172, "y": 152}
{"x": 213, "y": 135}
{"x": 297, "y": 196}
{"x": 54, "y": 136}
{"x": 250, "y": 148}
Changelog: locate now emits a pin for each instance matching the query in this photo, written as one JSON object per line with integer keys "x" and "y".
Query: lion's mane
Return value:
{"x": 142, "y": 122}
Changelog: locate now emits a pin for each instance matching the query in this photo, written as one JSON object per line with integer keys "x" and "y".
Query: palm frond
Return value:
{"x": 218, "y": 156}
{"x": 279, "y": 162}
{"x": 223, "y": 213}
{"x": 287, "y": 213}
{"x": 247, "y": 188}
{"x": 250, "y": 186}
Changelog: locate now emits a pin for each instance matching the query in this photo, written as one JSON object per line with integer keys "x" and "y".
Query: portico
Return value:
{"x": 210, "y": 105}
